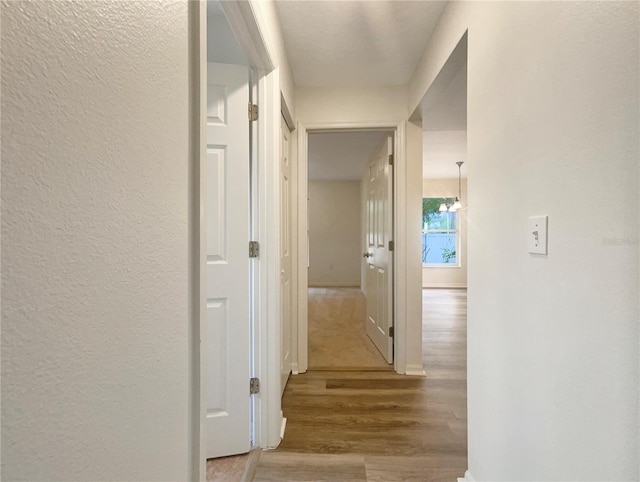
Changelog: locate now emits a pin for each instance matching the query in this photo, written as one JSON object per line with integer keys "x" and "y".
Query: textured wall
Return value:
{"x": 95, "y": 327}
{"x": 553, "y": 115}
{"x": 334, "y": 233}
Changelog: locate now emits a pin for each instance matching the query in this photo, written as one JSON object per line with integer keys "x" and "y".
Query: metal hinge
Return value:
{"x": 391, "y": 159}
{"x": 254, "y": 386}
{"x": 254, "y": 249}
{"x": 391, "y": 331}
{"x": 391, "y": 246}
{"x": 253, "y": 112}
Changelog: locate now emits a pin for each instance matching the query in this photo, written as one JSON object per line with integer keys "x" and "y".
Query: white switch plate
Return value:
{"x": 537, "y": 234}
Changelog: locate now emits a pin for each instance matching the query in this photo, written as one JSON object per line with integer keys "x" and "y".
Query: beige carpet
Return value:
{"x": 337, "y": 331}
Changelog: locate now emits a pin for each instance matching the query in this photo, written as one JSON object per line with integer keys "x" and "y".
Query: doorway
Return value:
{"x": 348, "y": 243}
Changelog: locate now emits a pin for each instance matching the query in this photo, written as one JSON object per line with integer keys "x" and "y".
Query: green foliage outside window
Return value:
{"x": 439, "y": 232}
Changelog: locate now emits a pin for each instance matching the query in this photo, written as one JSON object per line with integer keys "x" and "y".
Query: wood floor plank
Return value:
{"x": 279, "y": 466}
{"x": 405, "y": 428}
{"x": 414, "y": 469}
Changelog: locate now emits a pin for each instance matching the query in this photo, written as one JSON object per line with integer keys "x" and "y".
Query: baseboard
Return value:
{"x": 294, "y": 368}
{"x": 283, "y": 427}
{"x": 467, "y": 477}
{"x": 388, "y": 368}
{"x": 460, "y": 286}
{"x": 415, "y": 370}
{"x": 329, "y": 284}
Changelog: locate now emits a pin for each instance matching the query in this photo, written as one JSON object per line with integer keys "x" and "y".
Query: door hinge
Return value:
{"x": 391, "y": 246}
{"x": 254, "y": 249}
{"x": 254, "y": 386}
{"x": 391, "y": 331}
{"x": 253, "y": 112}
{"x": 391, "y": 159}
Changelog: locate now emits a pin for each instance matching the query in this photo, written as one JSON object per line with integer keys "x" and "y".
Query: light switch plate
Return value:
{"x": 537, "y": 234}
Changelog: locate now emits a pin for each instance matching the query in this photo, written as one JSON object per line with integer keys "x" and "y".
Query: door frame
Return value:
{"x": 399, "y": 229}
{"x": 266, "y": 414}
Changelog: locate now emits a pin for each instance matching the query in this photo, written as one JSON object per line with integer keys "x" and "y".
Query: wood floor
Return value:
{"x": 376, "y": 425}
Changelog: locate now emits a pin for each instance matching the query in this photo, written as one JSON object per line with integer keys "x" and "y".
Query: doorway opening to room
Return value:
{"x": 445, "y": 218}
{"x": 350, "y": 249}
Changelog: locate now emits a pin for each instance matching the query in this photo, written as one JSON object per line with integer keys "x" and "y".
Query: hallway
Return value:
{"x": 376, "y": 425}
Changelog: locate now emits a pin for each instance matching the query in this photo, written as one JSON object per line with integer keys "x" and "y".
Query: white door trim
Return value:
{"x": 268, "y": 415}
{"x": 198, "y": 128}
{"x": 400, "y": 241}
{"x": 267, "y": 418}
{"x": 244, "y": 22}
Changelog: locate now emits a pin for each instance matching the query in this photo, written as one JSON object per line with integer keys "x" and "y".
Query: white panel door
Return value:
{"x": 379, "y": 234}
{"x": 226, "y": 209}
{"x": 285, "y": 255}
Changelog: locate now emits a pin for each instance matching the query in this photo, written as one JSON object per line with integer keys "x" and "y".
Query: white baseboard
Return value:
{"x": 283, "y": 427}
{"x": 445, "y": 285}
{"x": 467, "y": 477}
{"x": 294, "y": 368}
{"x": 415, "y": 370}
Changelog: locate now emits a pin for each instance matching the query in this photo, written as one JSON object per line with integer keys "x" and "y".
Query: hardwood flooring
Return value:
{"x": 283, "y": 466}
{"x": 379, "y": 426}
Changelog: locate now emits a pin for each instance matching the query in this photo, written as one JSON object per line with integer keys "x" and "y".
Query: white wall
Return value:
{"x": 552, "y": 341}
{"x": 448, "y": 277}
{"x": 440, "y": 152}
{"x": 96, "y": 342}
{"x": 334, "y": 233}
{"x": 222, "y": 46}
{"x": 266, "y": 15}
{"x": 317, "y": 105}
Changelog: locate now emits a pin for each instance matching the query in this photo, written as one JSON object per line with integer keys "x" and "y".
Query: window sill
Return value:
{"x": 443, "y": 265}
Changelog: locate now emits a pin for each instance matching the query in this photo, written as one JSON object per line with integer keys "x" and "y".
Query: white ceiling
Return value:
{"x": 353, "y": 43}
{"x": 340, "y": 156}
{"x": 443, "y": 111}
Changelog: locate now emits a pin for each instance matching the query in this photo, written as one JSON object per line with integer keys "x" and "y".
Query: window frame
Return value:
{"x": 456, "y": 231}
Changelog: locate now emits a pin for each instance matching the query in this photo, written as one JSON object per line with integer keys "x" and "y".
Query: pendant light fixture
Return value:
{"x": 456, "y": 204}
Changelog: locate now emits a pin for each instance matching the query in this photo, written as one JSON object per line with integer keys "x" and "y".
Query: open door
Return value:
{"x": 379, "y": 240}
{"x": 285, "y": 254}
{"x": 225, "y": 205}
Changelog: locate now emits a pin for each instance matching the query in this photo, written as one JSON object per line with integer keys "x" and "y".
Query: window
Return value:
{"x": 439, "y": 233}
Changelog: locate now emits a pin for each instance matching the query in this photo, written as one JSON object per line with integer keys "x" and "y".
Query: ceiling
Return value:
{"x": 443, "y": 111}
{"x": 340, "y": 156}
{"x": 355, "y": 43}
